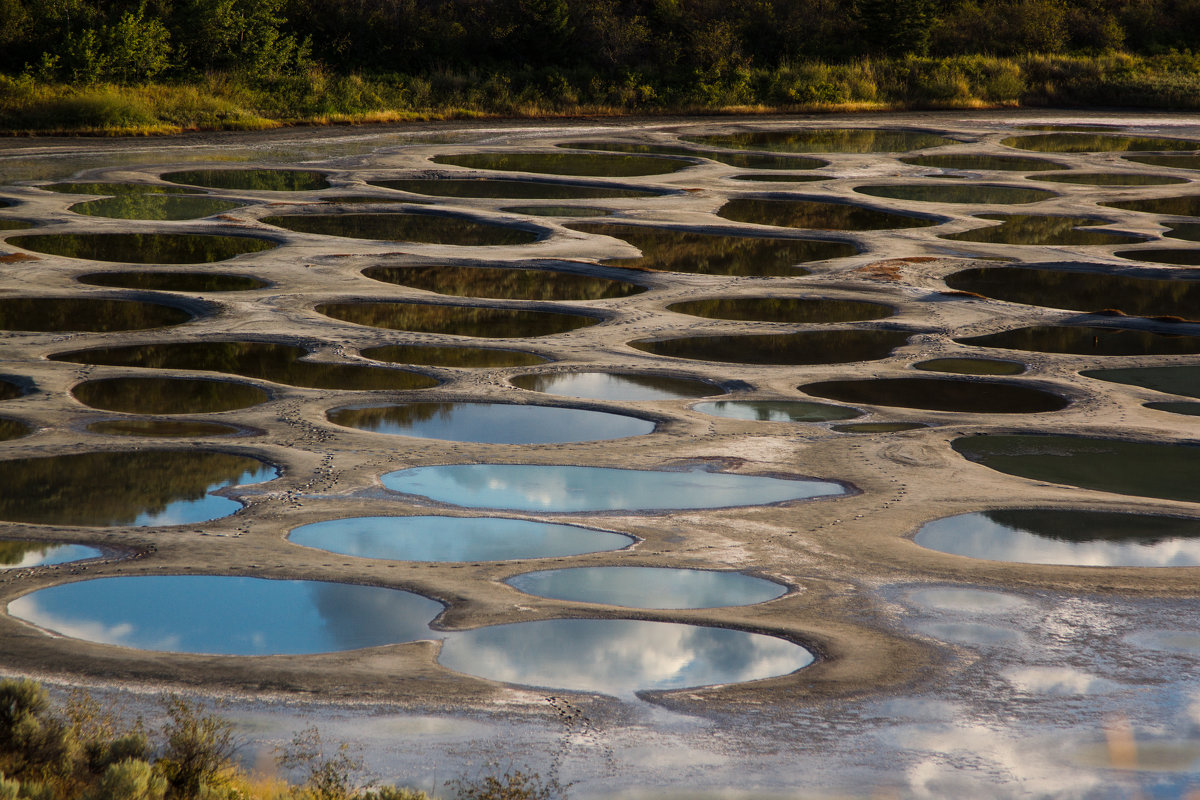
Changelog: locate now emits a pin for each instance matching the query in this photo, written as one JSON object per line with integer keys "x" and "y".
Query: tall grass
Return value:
{"x": 234, "y": 101}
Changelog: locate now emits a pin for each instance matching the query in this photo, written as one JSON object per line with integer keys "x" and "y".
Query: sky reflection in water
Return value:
{"x": 228, "y": 615}
{"x": 566, "y": 489}
{"x": 617, "y": 656}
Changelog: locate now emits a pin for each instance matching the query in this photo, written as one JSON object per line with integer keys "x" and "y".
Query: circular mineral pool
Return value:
{"x": 1144, "y": 469}
{"x": 963, "y": 193}
{"x": 279, "y": 363}
{"x": 162, "y": 428}
{"x": 493, "y": 423}
{"x": 701, "y": 253}
{"x": 619, "y": 656}
{"x": 505, "y": 283}
{"x": 502, "y": 188}
{"x": 583, "y": 164}
{"x": 138, "y": 488}
{"x": 167, "y": 395}
{"x": 423, "y": 228}
{"x": 454, "y": 539}
{"x": 263, "y": 180}
{"x": 461, "y": 357}
{"x": 1042, "y": 229}
{"x": 491, "y": 322}
{"x": 820, "y": 215}
{"x": 971, "y": 366}
{"x": 879, "y": 427}
{"x": 143, "y": 248}
{"x": 648, "y": 587}
{"x": 1069, "y": 537}
{"x": 1088, "y": 341}
{"x": 618, "y": 387}
{"x": 974, "y": 162}
{"x": 23, "y": 555}
{"x": 228, "y": 615}
{"x": 827, "y": 140}
{"x": 569, "y": 489}
{"x": 13, "y": 429}
{"x": 793, "y": 310}
{"x": 807, "y": 347}
{"x": 191, "y": 282}
{"x": 940, "y": 394}
{"x": 93, "y": 314}
{"x": 149, "y": 205}
{"x": 776, "y": 410}
{"x": 1082, "y": 142}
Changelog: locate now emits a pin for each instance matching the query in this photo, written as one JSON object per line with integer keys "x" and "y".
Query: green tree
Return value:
{"x": 138, "y": 49}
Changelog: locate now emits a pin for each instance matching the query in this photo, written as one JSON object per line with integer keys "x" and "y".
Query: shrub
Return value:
{"x": 198, "y": 747}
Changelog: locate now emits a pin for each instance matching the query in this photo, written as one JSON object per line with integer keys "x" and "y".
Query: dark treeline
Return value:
{"x": 135, "y": 41}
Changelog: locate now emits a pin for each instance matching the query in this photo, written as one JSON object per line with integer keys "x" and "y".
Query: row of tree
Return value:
{"x": 131, "y": 41}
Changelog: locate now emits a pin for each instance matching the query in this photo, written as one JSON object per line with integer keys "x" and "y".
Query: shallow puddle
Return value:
{"x": 1144, "y": 469}
{"x": 515, "y": 189}
{"x": 1184, "y": 380}
{"x": 975, "y": 601}
{"x": 493, "y": 423}
{"x": 965, "y": 193}
{"x": 143, "y": 248}
{"x": 162, "y": 428}
{"x": 13, "y": 429}
{"x": 827, "y": 140}
{"x": 780, "y": 178}
{"x": 407, "y": 227}
{"x": 115, "y": 189}
{"x": 479, "y": 321}
{"x": 559, "y": 211}
{"x": 819, "y": 215}
{"x": 1084, "y": 340}
{"x": 1179, "y": 161}
{"x": 167, "y": 395}
{"x": 1186, "y": 206}
{"x": 1043, "y": 230}
{"x": 192, "y": 282}
{"x": 464, "y": 357}
{"x": 1093, "y": 289}
{"x": 228, "y": 615}
{"x": 99, "y": 315}
{"x": 454, "y": 539}
{"x": 152, "y": 205}
{"x": 137, "y": 488}
{"x": 1069, "y": 537}
{"x": 1175, "y": 256}
{"x": 940, "y": 394}
{"x": 1186, "y": 409}
{"x": 648, "y": 587}
{"x": 808, "y": 347}
{"x": 9, "y": 390}
{"x": 278, "y": 363}
{"x": 776, "y": 410}
{"x": 972, "y": 634}
{"x": 1112, "y": 179}
{"x": 261, "y": 180}
{"x": 879, "y": 427}
{"x": 1080, "y": 142}
{"x": 14, "y": 225}
{"x": 618, "y": 656}
{"x": 584, "y": 164}
{"x": 971, "y": 366}
{"x": 614, "y": 386}
{"x": 23, "y": 555}
{"x": 505, "y": 283}
{"x": 744, "y": 160}
{"x": 717, "y": 254}
{"x": 1187, "y": 231}
{"x": 794, "y": 310}
{"x": 978, "y": 162}
{"x": 570, "y": 489}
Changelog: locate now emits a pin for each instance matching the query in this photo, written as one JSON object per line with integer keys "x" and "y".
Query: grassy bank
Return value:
{"x": 234, "y": 101}
{"x": 81, "y": 750}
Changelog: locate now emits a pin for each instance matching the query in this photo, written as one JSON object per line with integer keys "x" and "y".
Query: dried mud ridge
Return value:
{"x": 830, "y": 552}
